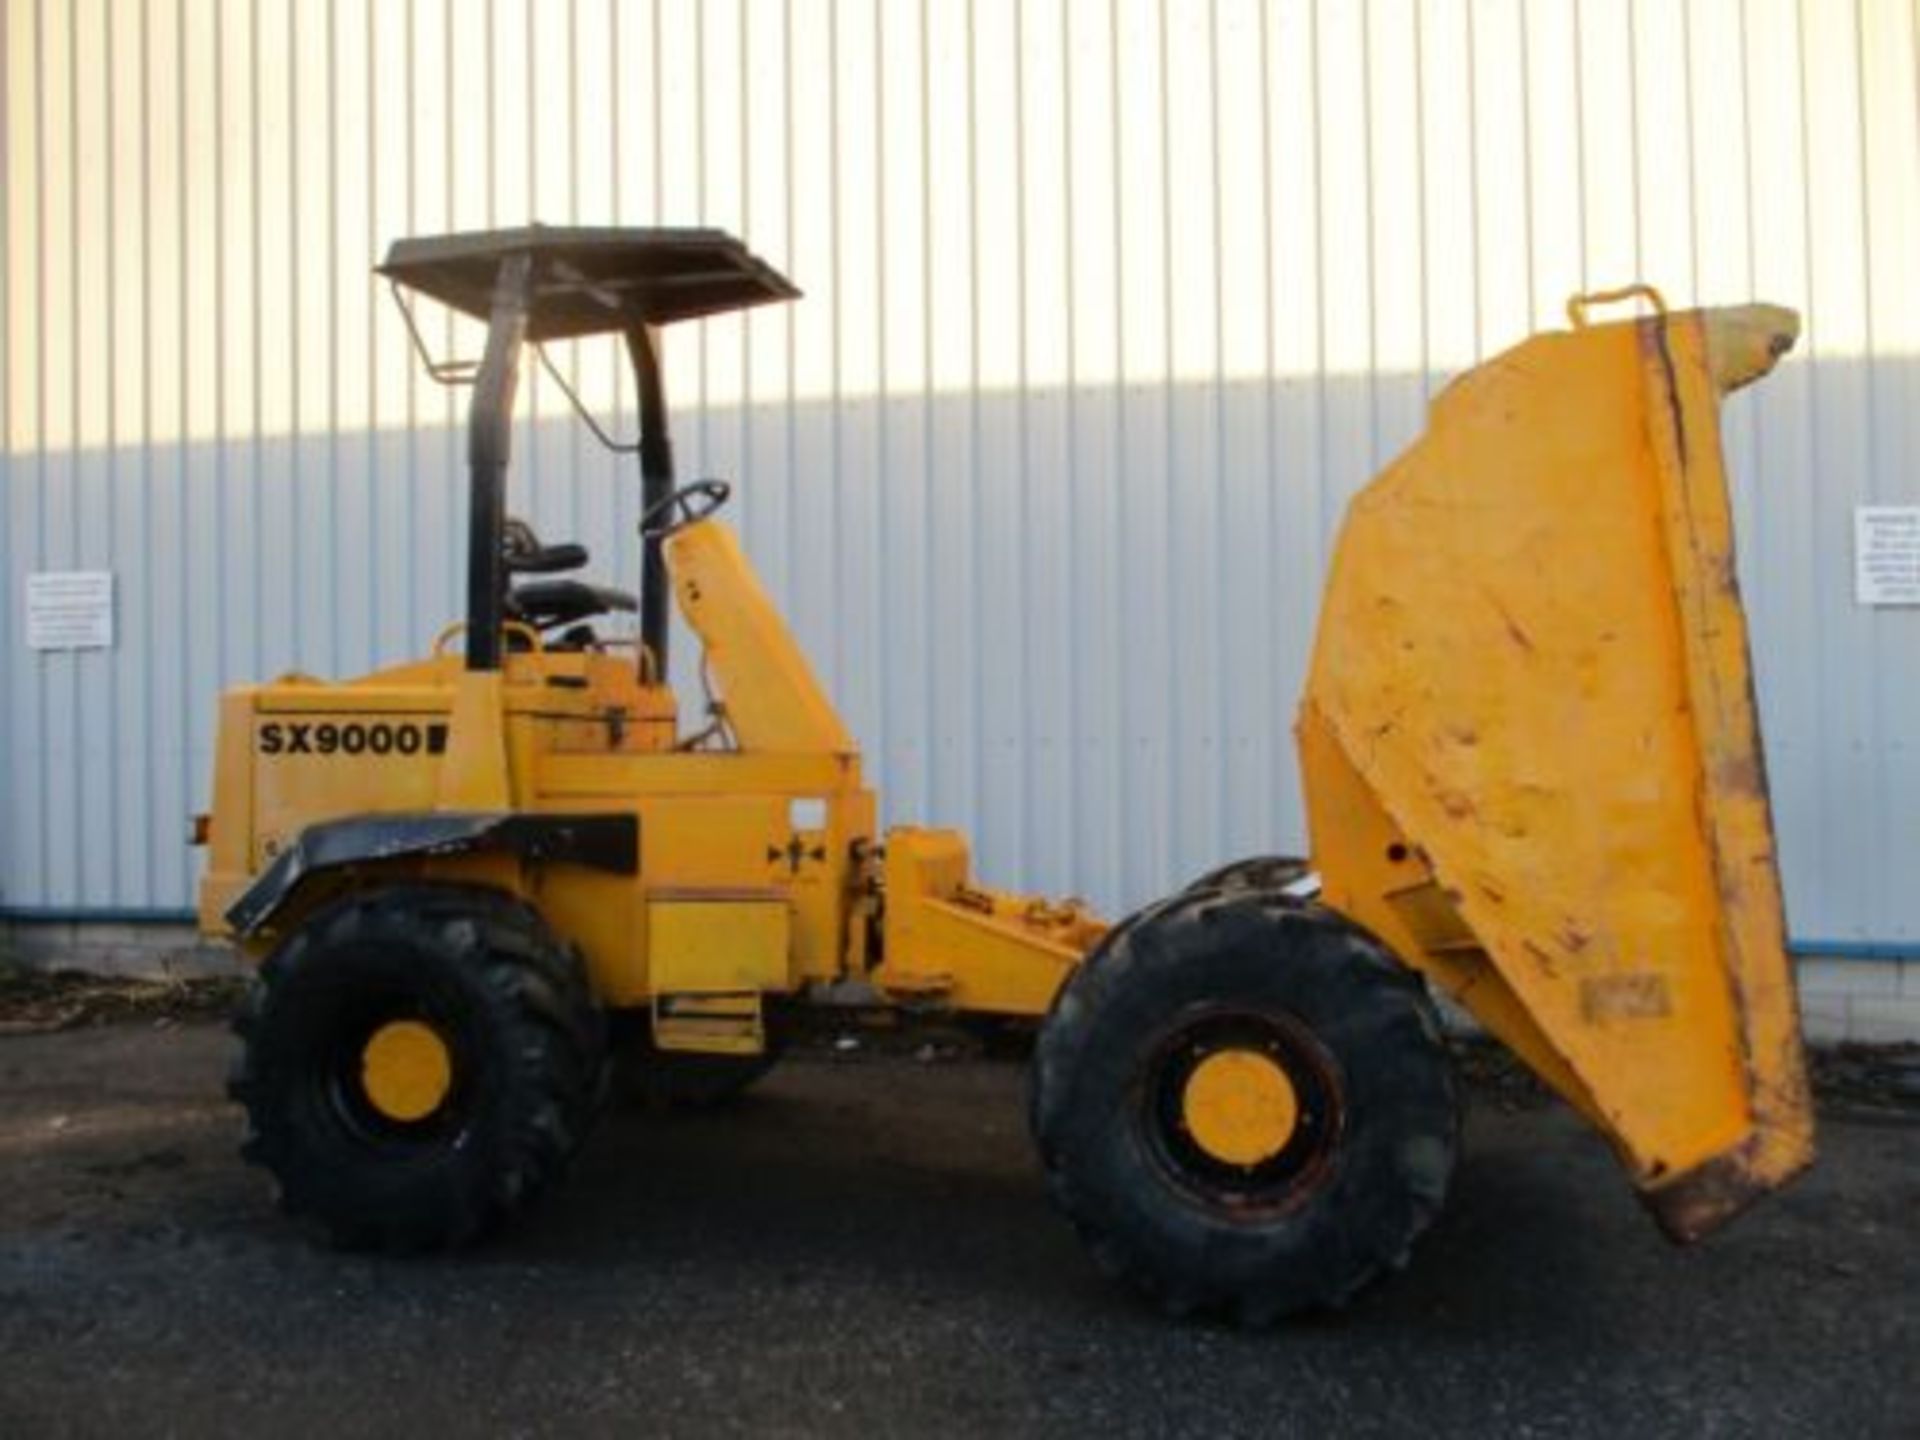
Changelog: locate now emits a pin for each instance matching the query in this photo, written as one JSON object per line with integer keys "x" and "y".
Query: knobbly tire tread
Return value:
{"x": 1390, "y": 1164}
{"x": 1256, "y": 872}
{"x": 535, "y": 1042}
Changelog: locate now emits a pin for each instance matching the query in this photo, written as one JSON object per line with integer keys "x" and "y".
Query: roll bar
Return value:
{"x": 541, "y": 283}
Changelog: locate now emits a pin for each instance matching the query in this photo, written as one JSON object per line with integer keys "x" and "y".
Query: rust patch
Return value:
{"x": 1742, "y": 775}
{"x": 1548, "y": 965}
{"x": 1514, "y": 632}
{"x": 1655, "y": 329}
{"x": 1641, "y": 995}
{"x": 1701, "y": 1200}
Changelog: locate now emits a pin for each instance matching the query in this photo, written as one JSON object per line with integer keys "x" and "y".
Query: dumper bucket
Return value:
{"x": 1531, "y": 757}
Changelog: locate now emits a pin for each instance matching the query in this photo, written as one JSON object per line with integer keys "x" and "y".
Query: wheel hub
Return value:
{"x": 1239, "y": 1107}
{"x": 406, "y": 1070}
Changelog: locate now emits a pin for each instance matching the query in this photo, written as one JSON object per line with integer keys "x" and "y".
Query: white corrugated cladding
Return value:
{"x": 1110, "y": 308}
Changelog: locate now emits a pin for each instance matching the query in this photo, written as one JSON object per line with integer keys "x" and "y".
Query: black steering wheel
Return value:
{"x": 688, "y": 505}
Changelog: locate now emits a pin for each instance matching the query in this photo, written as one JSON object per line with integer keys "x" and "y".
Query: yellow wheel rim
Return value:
{"x": 1239, "y": 1107}
{"x": 405, "y": 1070}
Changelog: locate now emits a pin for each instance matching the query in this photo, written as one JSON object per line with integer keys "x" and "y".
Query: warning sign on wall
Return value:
{"x": 1886, "y": 554}
{"x": 70, "y": 610}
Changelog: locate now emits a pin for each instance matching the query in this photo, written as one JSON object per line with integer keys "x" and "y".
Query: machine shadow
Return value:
{"x": 921, "y": 1179}
{"x": 875, "y": 1168}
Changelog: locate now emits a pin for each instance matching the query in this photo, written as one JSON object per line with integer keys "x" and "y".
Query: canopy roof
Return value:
{"x": 588, "y": 280}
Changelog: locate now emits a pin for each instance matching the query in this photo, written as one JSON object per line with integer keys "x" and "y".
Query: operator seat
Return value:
{"x": 549, "y": 604}
{"x": 545, "y": 604}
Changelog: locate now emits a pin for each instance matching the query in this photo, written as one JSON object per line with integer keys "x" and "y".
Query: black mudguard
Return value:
{"x": 603, "y": 842}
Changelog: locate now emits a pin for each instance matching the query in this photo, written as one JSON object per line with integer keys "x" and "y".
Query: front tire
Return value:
{"x": 418, "y": 1064}
{"x": 1244, "y": 1105}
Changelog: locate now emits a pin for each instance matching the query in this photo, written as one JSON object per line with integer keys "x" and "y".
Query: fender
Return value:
{"x": 600, "y": 841}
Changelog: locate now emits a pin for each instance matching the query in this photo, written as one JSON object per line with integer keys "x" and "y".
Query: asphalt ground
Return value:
{"x": 863, "y": 1246}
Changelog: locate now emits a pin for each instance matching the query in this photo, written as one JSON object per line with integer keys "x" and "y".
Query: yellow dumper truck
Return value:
{"x": 1533, "y": 774}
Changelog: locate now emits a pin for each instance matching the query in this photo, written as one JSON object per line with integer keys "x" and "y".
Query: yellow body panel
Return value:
{"x": 1530, "y": 753}
{"x": 947, "y": 939}
{"x": 711, "y": 959}
{"x": 299, "y": 750}
{"x": 710, "y": 945}
{"x": 477, "y": 772}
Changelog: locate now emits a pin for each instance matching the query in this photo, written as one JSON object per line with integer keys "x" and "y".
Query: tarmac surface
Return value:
{"x": 863, "y": 1246}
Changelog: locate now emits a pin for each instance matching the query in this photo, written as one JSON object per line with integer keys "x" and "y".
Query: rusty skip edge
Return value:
{"x": 1691, "y": 1206}
{"x": 1728, "y": 349}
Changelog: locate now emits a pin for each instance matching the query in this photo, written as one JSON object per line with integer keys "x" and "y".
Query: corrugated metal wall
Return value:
{"x": 1110, "y": 308}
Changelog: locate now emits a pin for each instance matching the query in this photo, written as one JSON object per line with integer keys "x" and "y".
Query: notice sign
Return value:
{"x": 1886, "y": 554}
{"x": 70, "y": 610}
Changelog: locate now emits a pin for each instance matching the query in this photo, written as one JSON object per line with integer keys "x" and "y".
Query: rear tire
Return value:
{"x": 1354, "y": 1174}
{"x": 524, "y": 1053}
